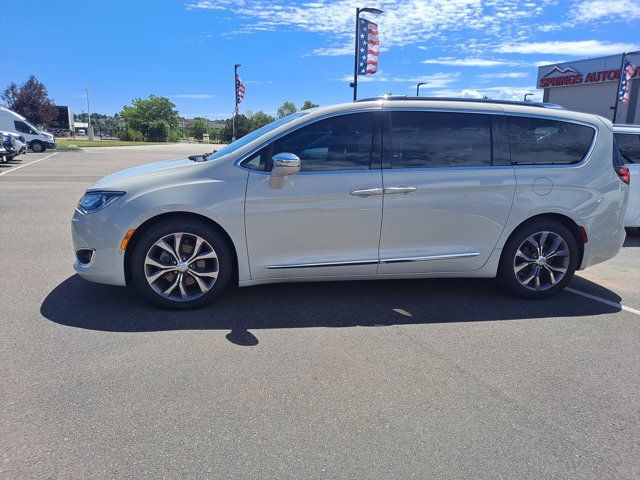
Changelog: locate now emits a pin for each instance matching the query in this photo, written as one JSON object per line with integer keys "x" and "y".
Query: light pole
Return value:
{"x": 354, "y": 84}
{"x": 418, "y": 88}
{"x": 526, "y": 97}
{"x": 89, "y": 111}
{"x": 235, "y": 110}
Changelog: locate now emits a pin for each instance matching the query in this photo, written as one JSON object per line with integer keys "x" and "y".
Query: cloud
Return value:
{"x": 504, "y": 75}
{"x": 436, "y": 80}
{"x": 541, "y": 63}
{"x": 404, "y": 22}
{"x": 495, "y": 93}
{"x": 607, "y": 10}
{"x": 468, "y": 62}
{"x": 584, "y": 48}
{"x": 193, "y": 95}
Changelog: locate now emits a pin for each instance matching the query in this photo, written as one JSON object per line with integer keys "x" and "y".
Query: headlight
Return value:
{"x": 93, "y": 202}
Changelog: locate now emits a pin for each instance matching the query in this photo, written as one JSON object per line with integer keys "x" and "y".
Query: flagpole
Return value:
{"x": 615, "y": 105}
{"x": 355, "y": 58}
{"x": 235, "y": 110}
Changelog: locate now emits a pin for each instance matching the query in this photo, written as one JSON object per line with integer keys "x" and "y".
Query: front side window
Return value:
{"x": 22, "y": 127}
{"x": 440, "y": 139}
{"x": 336, "y": 143}
{"x": 539, "y": 141}
{"x": 629, "y": 145}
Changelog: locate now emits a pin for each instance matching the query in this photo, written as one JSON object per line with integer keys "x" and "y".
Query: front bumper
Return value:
{"x": 50, "y": 144}
{"x": 102, "y": 232}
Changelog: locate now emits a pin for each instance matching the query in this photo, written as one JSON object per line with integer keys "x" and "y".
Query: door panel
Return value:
{"x": 313, "y": 219}
{"x": 325, "y": 220}
{"x": 453, "y": 213}
{"x": 445, "y": 218}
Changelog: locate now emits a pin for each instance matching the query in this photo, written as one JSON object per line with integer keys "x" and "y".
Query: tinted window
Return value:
{"x": 258, "y": 161}
{"x": 433, "y": 139}
{"x": 629, "y": 146}
{"x": 535, "y": 141}
{"x": 22, "y": 127}
{"x": 338, "y": 143}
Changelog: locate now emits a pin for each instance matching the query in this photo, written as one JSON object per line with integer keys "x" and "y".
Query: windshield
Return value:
{"x": 241, "y": 142}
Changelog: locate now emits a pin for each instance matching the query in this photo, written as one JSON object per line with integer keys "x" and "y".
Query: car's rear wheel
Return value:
{"x": 181, "y": 265}
{"x": 37, "y": 146}
{"x": 539, "y": 260}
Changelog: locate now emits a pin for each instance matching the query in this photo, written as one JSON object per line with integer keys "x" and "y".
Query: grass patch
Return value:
{"x": 71, "y": 144}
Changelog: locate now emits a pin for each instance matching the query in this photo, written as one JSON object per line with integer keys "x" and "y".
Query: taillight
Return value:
{"x": 624, "y": 174}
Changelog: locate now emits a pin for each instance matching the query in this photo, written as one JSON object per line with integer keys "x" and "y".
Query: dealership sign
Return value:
{"x": 566, "y": 76}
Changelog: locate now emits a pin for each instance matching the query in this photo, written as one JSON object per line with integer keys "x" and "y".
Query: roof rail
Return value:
{"x": 468, "y": 100}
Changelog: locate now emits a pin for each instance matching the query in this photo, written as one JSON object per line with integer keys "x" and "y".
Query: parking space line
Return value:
{"x": 27, "y": 164}
{"x": 604, "y": 300}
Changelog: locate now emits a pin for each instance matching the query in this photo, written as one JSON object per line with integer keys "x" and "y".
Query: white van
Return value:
{"x": 38, "y": 141}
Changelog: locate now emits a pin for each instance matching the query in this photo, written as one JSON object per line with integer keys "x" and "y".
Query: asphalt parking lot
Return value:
{"x": 379, "y": 379}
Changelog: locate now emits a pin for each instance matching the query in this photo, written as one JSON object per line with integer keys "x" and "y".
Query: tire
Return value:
{"x": 190, "y": 284}
{"x": 527, "y": 274}
{"x": 38, "y": 147}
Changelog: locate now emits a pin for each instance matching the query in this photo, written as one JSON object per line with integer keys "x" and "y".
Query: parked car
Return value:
{"x": 21, "y": 144}
{"x": 9, "y": 146}
{"x": 3, "y": 152}
{"x": 628, "y": 140}
{"x": 37, "y": 140}
{"x": 383, "y": 188}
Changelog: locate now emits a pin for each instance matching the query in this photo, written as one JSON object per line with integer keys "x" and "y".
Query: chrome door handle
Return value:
{"x": 402, "y": 189}
{"x": 366, "y": 191}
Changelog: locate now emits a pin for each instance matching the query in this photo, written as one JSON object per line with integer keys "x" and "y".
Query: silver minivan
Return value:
{"x": 376, "y": 189}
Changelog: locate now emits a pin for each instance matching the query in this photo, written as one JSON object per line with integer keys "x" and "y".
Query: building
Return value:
{"x": 591, "y": 85}
{"x": 63, "y": 124}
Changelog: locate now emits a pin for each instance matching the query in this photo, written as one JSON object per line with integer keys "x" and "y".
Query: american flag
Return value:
{"x": 625, "y": 84}
{"x": 368, "y": 47}
{"x": 239, "y": 89}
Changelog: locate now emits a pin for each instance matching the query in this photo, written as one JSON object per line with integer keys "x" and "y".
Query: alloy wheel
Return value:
{"x": 541, "y": 261}
{"x": 181, "y": 266}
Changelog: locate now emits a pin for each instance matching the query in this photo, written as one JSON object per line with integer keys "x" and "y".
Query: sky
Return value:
{"x": 297, "y": 51}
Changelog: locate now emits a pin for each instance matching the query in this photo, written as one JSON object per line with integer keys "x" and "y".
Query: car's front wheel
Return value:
{"x": 539, "y": 260}
{"x": 37, "y": 146}
{"x": 181, "y": 265}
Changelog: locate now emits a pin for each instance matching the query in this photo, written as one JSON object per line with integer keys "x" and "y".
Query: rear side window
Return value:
{"x": 629, "y": 145}
{"x": 538, "y": 141}
{"x": 435, "y": 139}
{"x": 337, "y": 143}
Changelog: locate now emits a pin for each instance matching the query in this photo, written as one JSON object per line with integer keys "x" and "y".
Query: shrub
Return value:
{"x": 130, "y": 135}
{"x": 158, "y": 131}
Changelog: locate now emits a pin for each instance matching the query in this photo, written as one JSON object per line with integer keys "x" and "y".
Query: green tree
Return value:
{"x": 308, "y": 104}
{"x": 199, "y": 127}
{"x": 287, "y": 108}
{"x": 31, "y": 100}
{"x": 244, "y": 124}
{"x": 154, "y": 117}
{"x": 259, "y": 119}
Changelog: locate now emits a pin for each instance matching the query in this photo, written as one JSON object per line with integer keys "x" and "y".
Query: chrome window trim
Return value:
{"x": 583, "y": 161}
{"x": 237, "y": 163}
{"x": 383, "y": 108}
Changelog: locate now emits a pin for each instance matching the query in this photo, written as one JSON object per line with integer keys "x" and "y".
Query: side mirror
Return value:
{"x": 284, "y": 164}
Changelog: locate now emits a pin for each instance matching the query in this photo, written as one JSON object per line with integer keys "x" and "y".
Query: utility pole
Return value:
{"x": 89, "y": 119}
{"x": 235, "y": 110}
